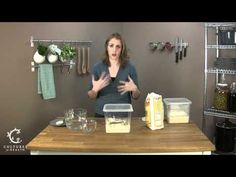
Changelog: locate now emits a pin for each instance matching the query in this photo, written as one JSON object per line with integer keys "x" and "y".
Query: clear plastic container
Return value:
{"x": 117, "y": 117}
{"x": 177, "y": 110}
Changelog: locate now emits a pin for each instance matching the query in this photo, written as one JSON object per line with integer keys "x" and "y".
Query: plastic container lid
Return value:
{"x": 117, "y": 108}
{"x": 176, "y": 101}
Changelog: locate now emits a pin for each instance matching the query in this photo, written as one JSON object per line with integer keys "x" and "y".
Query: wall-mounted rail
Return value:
{"x": 78, "y": 42}
{"x": 69, "y": 64}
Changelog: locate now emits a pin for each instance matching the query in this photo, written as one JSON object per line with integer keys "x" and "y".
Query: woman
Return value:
{"x": 114, "y": 79}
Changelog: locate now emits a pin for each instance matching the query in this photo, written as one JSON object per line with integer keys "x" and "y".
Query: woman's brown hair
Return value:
{"x": 124, "y": 57}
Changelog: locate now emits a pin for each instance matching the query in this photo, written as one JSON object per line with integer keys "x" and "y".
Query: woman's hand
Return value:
{"x": 127, "y": 86}
{"x": 102, "y": 82}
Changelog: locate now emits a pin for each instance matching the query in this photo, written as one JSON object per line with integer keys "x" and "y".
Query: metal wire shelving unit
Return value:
{"x": 210, "y": 111}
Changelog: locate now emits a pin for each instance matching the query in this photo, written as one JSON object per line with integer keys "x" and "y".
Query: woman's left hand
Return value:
{"x": 127, "y": 86}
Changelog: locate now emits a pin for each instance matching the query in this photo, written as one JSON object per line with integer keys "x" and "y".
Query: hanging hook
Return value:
{"x": 31, "y": 41}
{"x": 32, "y": 66}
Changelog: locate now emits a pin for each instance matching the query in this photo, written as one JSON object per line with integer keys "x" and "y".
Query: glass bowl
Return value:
{"x": 76, "y": 112}
{"x": 89, "y": 126}
{"x": 73, "y": 123}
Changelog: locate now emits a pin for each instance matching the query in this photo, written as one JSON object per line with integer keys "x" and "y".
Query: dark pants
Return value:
{"x": 99, "y": 115}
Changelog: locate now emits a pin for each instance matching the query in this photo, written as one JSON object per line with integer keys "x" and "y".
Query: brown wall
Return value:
{"x": 22, "y": 107}
{"x": 158, "y": 71}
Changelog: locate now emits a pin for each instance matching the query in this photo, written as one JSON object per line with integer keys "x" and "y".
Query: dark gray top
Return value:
{"x": 109, "y": 94}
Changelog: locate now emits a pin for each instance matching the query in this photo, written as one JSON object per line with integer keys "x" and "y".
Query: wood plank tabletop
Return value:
{"x": 173, "y": 138}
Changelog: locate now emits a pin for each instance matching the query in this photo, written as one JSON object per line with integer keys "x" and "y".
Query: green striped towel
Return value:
{"x": 46, "y": 85}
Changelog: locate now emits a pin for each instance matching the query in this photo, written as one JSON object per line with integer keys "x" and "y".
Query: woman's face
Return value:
{"x": 114, "y": 49}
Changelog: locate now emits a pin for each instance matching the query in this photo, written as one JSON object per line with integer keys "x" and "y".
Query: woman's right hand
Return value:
{"x": 102, "y": 82}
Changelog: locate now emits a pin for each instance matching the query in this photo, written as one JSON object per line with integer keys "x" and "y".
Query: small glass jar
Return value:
{"x": 232, "y": 98}
{"x": 221, "y": 97}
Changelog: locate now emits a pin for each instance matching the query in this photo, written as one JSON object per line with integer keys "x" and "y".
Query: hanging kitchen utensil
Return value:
{"x": 83, "y": 61}
{"x": 88, "y": 58}
{"x": 79, "y": 70}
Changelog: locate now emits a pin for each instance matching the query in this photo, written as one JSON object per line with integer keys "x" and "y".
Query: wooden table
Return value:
{"x": 173, "y": 139}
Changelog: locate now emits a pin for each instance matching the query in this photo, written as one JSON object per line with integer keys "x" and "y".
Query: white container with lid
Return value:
{"x": 177, "y": 110}
{"x": 117, "y": 117}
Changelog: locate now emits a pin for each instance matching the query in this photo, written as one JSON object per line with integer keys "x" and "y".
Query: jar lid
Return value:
{"x": 222, "y": 84}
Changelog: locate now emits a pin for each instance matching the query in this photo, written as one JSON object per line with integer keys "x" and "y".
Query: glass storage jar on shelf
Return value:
{"x": 221, "y": 96}
{"x": 232, "y": 98}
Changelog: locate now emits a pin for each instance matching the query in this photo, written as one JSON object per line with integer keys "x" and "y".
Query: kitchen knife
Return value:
{"x": 180, "y": 48}
{"x": 185, "y": 49}
{"x": 176, "y": 49}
